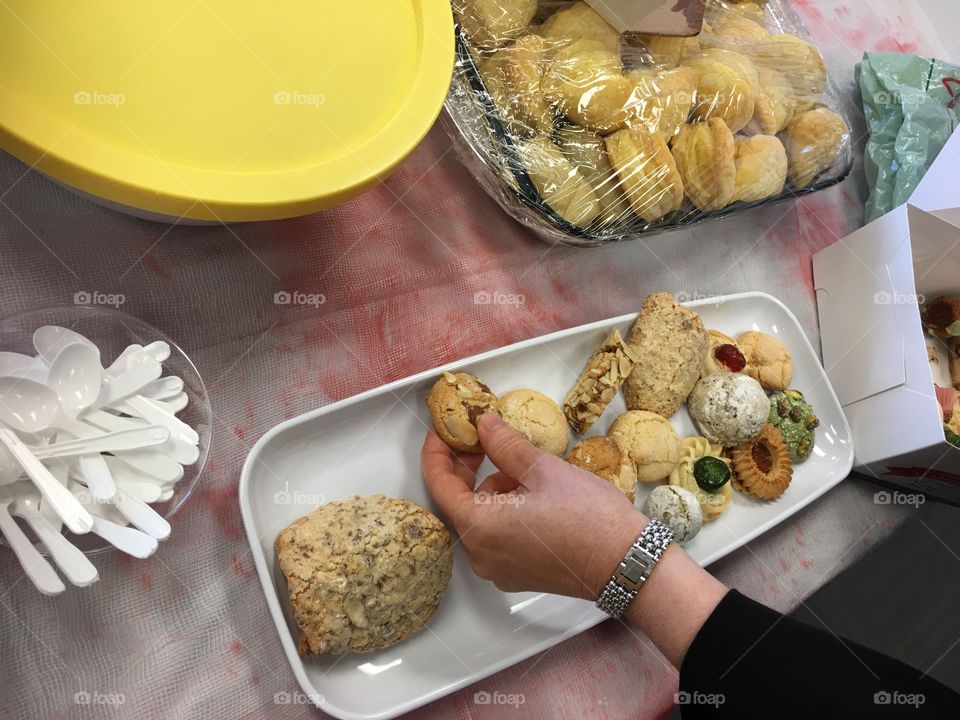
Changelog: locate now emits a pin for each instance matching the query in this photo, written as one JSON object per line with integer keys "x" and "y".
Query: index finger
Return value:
{"x": 450, "y": 489}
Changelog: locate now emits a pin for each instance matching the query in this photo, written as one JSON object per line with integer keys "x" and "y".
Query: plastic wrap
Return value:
{"x": 589, "y": 136}
{"x": 910, "y": 103}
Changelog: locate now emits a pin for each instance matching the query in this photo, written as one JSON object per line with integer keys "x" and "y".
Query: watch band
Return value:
{"x": 635, "y": 568}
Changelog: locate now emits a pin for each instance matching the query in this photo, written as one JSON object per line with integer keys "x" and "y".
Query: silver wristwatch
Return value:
{"x": 634, "y": 569}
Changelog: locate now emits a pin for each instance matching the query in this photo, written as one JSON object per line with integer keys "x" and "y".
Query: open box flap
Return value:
{"x": 936, "y": 253}
{"x": 939, "y": 191}
{"x": 653, "y": 17}
{"x": 859, "y": 282}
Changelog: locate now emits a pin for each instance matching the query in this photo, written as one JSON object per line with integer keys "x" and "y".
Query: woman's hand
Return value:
{"x": 540, "y": 523}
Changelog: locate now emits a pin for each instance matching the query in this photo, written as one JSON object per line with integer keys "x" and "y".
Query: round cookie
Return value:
{"x": 536, "y": 417}
{"x": 363, "y": 573}
{"x": 762, "y": 467}
{"x": 729, "y": 409}
{"x": 677, "y": 508}
{"x": 602, "y": 456}
{"x": 456, "y": 402}
{"x": 650, "y": 441}
{"x": 768, "y": 361}
{"x": 723, "y": 355}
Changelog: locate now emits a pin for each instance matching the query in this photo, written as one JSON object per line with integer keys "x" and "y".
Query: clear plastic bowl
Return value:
{"x": 112, "y": 331}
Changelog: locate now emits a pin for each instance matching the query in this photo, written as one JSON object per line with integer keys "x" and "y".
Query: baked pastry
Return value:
{"x": 723, "y": 355}
{"x": 952, "y": 424}
{"x": 663, "y": 99}
{"x": 536, "y": 417}
{"x": 793, "y": 416}
{"x": 668, "y": 342}
{"x": 602, "y": 456}
{"x": 953, "y": 348}
{"x": 586, "y": 152}
{"x": 647, "y": 172}
{"x": 728, "y": 408}
{"x": 706, "y": 159}
{"x": 761, "y": 168}
{"x": 586, "y": 81}
{"x": 599, "y": 382}
{"x": 558, "y": 182}
{"x": 716, "y": 497}
{"x": 456, "y": 402}
{"x": 776, "y": 103}
{"x": 677, "y": 508}
{"x": 941, "y": 317}
{"x": 650, "y": 441}
{"x": 727, "y": 87}
{"x": 579, "y": 21}
{"x": 768, "y": 360}
{"x": 363, "y": 573}
{"x": 814, "y": 141}
{"x": 667, "y": 52}
{"x": 512, "y": 77}
{"x": 800, "y": 63}
{"x": 488, "y": 24}
{"x": 718, "y": 12}
{"x": 762, "y": 467}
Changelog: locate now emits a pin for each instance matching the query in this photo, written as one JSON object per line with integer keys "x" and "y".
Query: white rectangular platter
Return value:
{"x": 371, "y": 444}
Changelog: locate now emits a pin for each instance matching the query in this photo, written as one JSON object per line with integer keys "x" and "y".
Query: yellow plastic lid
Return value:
{"x": 221, "y": 109}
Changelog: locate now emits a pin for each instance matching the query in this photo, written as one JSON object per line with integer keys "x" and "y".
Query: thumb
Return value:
{"x": 510, "y": 451}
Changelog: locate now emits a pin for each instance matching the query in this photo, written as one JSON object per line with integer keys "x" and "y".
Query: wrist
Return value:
{"x": 609, "y": 550}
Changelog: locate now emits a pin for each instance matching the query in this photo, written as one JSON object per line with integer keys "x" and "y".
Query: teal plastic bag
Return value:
{"x": 912, "y": 107}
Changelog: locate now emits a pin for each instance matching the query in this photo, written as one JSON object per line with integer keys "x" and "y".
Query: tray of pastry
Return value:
{"x": 589, "y": 136}
{"x": 743, "y": 435}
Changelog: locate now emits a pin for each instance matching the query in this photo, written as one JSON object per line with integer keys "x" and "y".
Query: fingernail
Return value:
{"x": 489, "y": 421}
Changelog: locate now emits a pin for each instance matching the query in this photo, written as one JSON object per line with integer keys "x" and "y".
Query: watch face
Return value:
{"x": 634, "y": 570}
{"x": 636, "y": 567}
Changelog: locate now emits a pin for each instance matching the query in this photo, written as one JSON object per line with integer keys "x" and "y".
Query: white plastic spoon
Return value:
{"x": 115, "y": 441}
{"x": 120, "y": 364}
{"x": 61, "y": 500}
{"x": 142, "y": 515}
{"x": 76, "y": 377}
{"x": 176, "y": 403}
{"x": 163, "y": 388}
{"x": 71, "y": 560}
{"x": 10, "y": 362}
{"x": 40, "y": 572}
{"x": 157, "y": 351}
{"x": 185, "y": 453}
{"x": 50, "y": 340}
{"x": 126, "y": 385}
{"x": 111, "y": 526}
{"x": 157, "y": 414}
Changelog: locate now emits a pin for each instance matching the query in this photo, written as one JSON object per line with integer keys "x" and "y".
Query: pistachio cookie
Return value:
{"x": 603, "y": 457}
{"x": 711, "y": 485}
{"x": 363, "y": 573}
{"x": 762, "y": 467}
{"x": 793, "y": 417}
{"x": 537, "y": 418}
{"x": 456, "y": 402}
{"x": 650, "y": 441}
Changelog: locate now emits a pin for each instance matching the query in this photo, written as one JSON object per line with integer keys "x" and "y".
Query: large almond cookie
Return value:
{"x": 363, "y": 573}
{"x": 669, "y": 343}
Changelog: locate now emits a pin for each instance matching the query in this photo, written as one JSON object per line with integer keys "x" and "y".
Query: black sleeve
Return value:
{"x": 749, "y": 661}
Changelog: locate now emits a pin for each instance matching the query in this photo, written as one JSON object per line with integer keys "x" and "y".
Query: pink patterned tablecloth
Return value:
{"x": 187, "y": 632}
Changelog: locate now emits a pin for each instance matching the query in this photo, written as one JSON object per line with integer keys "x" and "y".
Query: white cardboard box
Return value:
{"x": 874, "y": 347}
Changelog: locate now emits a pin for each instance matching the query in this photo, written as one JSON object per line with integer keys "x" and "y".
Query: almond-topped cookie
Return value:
{"x": 599, "y": 383}
{"x": 456, "y": 402}
{"x": 363, "y": 573}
